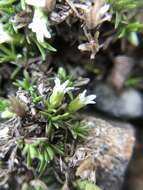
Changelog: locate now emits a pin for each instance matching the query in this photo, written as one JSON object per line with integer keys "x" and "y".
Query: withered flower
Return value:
{"x": 97, "y": 14}
{"x": 19, "y": 108}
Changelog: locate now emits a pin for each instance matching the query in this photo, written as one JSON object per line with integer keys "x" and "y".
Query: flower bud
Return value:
{"x": 80, "y": 101}
{"x": 59, "y": 91}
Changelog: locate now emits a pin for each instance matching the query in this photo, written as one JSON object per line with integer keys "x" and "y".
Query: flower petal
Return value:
{"x": 57, "y": 82}
{"x": 64, "y": 85}
{"x": 82, "y": 96}
{"x": 68, "y": 89}
{"x": 39, "y": 25}
{"x": 90, "y": 98}
{"x": 36, "y": 3}
{"x": 104, "y": 9}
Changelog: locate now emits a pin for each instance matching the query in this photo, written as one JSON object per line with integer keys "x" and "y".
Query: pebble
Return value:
{"x": 127, "y": 104}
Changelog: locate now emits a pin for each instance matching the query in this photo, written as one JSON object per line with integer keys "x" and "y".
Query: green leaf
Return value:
{"x": 62, "y": 73}
{"x": 86, "y": 185}
{"x": 90, "y": 186}
{"x": 46, "y": 156}
{"x": 37, "y": 99}
{"x": 25, "y": 149}
{"x": 117, "y": 20}
{"x": 133, "y": 38}
{"x": 43, "y": 163}
{"x": 29, "y": 159}
{"x": 58, "y": 148}
{"x": 24, "y": 84}
{"x": 6, "y": 2}
{"x": 50, "y": 152}
{"x": 51, "y": 48}
{"x": 133, "y": 81}
{"x": 56, "y": 125}
{"x": 33, "y": 151}
{"x": 60, "y": 117}
{"x": 78, "y": 130}
{"x": 41, "y": 49}
{"x": 3, "y": 105}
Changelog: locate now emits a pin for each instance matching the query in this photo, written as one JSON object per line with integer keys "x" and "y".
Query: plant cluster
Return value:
{"x": 46, "y": 110}
{"x": 25, "y": 26}
{"x": 49, "y": 127}
{"x": 59, "y": 119}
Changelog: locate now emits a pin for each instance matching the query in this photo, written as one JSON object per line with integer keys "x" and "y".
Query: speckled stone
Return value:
{"x": 105, "y": 155}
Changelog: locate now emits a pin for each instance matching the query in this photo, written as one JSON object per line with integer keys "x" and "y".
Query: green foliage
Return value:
{"x": 124, "y": 17}
{"x": 4, "y": 109}
{"x": 3, "y": 105}
{"x": 133, "y": 81}
{"x": 129, "y": 31}
{"x": 4, "y": 3}
{"x": 39, "y": 149}
{"x": 28, "y": 86}
{"x": 123, "y": 6}
{"x": 86, "y": 185}
{"x": 24, "y": 84}
{"x": 78, "y": 131}
{"x": 43, "y": 46}
{"x": 7, "y": 54}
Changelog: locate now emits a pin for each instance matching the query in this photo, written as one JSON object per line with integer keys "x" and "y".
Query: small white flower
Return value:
{"x": 36, "y": 3}
{"x": 61, "y": 87}
{"x": 80, "y": 101}
{"x": 39, "y": 25}
{"x": 103, "y": 12}
{"x": 59, "y": 91}
{"x": 86, "y": 99}
{"x": 104, "y": 9}
{"x": 4, "y": 36}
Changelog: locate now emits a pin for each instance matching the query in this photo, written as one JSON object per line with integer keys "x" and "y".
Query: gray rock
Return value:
{"x": 105, "y": 155}
{"x": 127, "y": 104}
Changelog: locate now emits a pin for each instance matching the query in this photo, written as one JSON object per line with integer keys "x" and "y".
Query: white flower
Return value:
{"x": 104, "y": 9}
{"x": 86, "y": 99}
{"x": 4, "y": 36}
{"x": 80, "y": 101}
{"x": 59, "y": 91}
{"x": 61, "y": 87}
{"x": 103, "y": 12}
{"x": 39, "y": 25}
{"x": 36, "y": 3}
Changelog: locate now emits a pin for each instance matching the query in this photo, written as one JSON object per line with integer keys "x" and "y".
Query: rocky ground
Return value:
{"x": 102, "y": 48}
